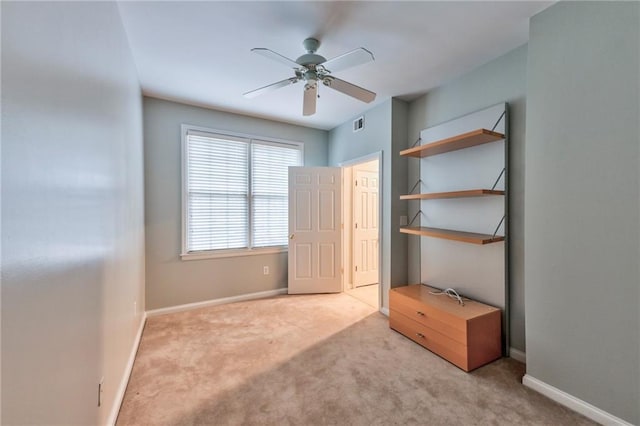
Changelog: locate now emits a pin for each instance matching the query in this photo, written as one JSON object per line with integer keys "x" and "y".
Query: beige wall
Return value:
{"x": 72, "y": 211}
{"x": 369, "y": 166}
{"x": 170, "y": 280}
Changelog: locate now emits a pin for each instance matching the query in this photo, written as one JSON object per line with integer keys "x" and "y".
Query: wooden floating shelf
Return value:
{"x": 448, "y": 234}
{"x": 465, "y": 140}
{"x": 453, "y": 194}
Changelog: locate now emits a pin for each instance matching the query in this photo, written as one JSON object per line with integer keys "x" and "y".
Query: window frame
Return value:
{"x": 250, "y": 138}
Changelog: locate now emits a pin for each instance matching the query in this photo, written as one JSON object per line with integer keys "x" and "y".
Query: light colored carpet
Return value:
{"x": 314, "y": 360}
{"x": 367, "y": 294}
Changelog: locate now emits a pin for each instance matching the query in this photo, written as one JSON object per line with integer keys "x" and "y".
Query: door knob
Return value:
{"x": 291, "y": 236}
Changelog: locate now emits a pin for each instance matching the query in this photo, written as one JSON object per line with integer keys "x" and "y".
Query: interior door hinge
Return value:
{"x": 356, "y": 268}
{"x": 356, "y": 183}
{"x": 356, "y": 225}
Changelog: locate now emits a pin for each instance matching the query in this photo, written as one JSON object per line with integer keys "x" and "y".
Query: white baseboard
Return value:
{"x": 518, "y": 355}
{"x": 214, "y": 302}
{"x": 570, "y": 401}
{"x": 115, "y": 409}
{"x": 384, "y": 311}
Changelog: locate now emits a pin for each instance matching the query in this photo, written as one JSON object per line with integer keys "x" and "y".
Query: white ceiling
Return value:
{"x": 199, "y": 52}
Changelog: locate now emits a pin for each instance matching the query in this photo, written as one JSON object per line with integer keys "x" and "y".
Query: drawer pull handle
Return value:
{"x": 420, "y": 313}
{"x": 420, "y": 335}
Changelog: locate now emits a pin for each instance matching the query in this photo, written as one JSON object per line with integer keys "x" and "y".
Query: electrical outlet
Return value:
{"x": 265, "y": 270}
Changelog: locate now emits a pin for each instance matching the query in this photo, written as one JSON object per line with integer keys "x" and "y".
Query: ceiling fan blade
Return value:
{"x": 268, "y": 53}
{"x": 270, "y": 87}
{"x": 352, "y": 90}
{"x": 310, "y": 97}
{"x": 358, "y": 56}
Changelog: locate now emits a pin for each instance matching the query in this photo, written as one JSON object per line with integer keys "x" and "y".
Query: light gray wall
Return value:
{"x": 582, "y": 203}
{"x": 170, "y": 280}
{"x": 399, "y": 141}
{"x": 384, "y": 129}
{"x": 501, "y": 80}
{"x": 72, "y": 210}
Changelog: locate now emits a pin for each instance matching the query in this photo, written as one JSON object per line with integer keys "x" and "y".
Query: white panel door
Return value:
{"x": 315, "y": 236}
{"x": 365, "y": 228}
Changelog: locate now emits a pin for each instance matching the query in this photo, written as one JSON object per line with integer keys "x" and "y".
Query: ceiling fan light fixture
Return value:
{"x": 311, "y": 76}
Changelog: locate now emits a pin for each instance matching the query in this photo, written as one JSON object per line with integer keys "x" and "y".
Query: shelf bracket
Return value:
{"x": 499, "y": 119}
{"x": 498, "y": 227}
{"x": 498, "y": 180}
{"x": 416, "y": 142}
{"x": 414, "y": 186}
{"x": 414, "y": 217}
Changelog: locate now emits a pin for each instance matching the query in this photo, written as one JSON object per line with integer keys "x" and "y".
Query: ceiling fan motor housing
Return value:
{"x": 311, "y": 58}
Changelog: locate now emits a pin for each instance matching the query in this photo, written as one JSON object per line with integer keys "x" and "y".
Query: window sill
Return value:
{"x": 231, "y": 253}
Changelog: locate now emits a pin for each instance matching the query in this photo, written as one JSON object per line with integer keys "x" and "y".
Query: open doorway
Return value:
{"x": 361, "y": 233}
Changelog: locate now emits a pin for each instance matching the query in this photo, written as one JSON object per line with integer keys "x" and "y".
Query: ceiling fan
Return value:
{"x": 313, "y": 68}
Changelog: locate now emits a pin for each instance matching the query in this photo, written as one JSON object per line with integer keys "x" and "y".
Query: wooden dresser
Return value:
{"x": 468, "y": 336}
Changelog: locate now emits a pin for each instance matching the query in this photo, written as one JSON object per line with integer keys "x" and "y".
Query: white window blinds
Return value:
{"x": 218, "y": 188}
{"x": 236, "y": 192}
{"x": 269, "y": 182}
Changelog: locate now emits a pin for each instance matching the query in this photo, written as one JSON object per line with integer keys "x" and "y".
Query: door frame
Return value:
{"x": 378, "y": 155}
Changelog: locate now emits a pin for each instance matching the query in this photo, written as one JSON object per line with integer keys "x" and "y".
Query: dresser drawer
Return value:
{"x": 468, "y": 335}
{"x": 449, "y": 325}
{"x": 449, "y": 349}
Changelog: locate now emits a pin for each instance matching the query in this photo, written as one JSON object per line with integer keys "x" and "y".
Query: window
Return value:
{"x": 235, "y": 192}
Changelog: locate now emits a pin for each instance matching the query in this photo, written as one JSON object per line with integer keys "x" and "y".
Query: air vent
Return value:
{"x": 358, "y": 124}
